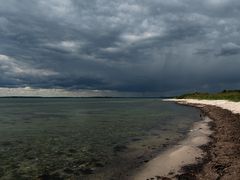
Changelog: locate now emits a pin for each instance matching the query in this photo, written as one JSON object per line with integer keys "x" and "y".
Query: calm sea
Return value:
{"x": 86, "y": 138}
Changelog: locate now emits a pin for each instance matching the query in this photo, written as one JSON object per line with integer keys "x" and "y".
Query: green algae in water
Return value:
{"x": 86, "y": 138}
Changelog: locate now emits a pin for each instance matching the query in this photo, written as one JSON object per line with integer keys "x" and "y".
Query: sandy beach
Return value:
{"x": 169, "y": 163}
{"x": 211, "y": 150}
{"x": 234, "y": 107}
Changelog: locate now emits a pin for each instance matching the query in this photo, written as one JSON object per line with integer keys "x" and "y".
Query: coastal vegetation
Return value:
{"x": 232, "y": 95}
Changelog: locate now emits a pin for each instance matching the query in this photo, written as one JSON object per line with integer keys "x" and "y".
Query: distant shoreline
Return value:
{"x": 82, "y": 97}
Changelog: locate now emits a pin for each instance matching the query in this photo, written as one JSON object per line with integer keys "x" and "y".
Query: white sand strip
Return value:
{"x": 224, "y": 104}
{"x": 169, "y": 163}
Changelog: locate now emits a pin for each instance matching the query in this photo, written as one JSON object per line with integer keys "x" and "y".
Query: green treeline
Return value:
{"x": 232, "y": 95}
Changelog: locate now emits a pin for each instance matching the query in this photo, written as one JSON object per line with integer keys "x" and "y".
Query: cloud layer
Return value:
{"x": 131, "y": 46}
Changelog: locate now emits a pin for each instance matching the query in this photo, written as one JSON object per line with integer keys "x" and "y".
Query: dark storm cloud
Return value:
{"x": 229, "y": 49}
{"x": 133, "y": 45}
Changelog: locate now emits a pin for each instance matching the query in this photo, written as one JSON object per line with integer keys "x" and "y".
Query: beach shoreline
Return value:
{"x": 169, "y": 163}
{"x": 215, "y": 158}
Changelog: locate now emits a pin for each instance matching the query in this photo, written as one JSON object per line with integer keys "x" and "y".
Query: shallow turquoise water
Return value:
{"x": 86, "y": 138}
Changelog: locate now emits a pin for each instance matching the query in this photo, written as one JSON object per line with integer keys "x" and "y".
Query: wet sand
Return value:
{"x": 223, "y": 154}
{"x": 169, "y": 163}
{"x": 211, "y": 151}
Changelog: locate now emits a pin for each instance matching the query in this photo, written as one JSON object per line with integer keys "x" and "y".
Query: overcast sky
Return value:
{"x": 133, "y": 46}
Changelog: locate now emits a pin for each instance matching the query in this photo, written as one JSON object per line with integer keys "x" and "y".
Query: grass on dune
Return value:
{"x": 232, "y": 95}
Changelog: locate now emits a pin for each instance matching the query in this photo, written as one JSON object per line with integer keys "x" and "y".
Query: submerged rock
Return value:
{"x": 1, "y": 172}
{"x": 54, "y": 176}
{"x": 85, "y": 169}
{"x": 99, "y": 164}
{"x": 6, "y": 143}
{"x": 119, "y": 148}
{"x": 136, "y": 139}
{"x": 68, "y": 170}
{"x": 72, "y": 150}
